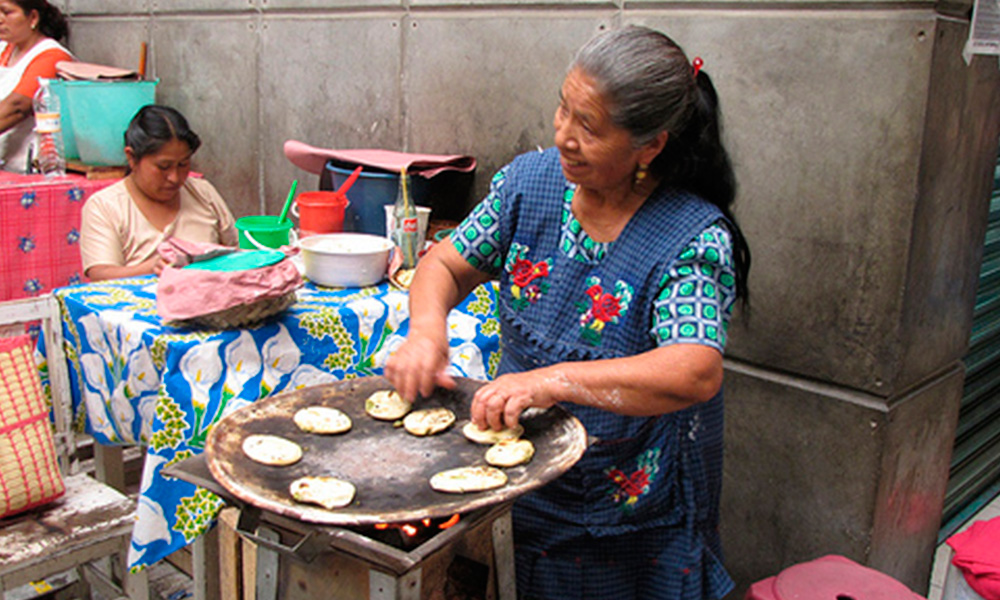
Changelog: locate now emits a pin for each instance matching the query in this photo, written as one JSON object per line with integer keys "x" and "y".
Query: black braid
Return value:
{"x": 695, "y": 159}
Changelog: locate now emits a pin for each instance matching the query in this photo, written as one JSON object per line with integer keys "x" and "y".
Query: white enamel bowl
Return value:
{"x": 346, "y": 259}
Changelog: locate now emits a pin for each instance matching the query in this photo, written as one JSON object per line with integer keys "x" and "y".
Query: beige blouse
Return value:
{"x": 115, "y": 232}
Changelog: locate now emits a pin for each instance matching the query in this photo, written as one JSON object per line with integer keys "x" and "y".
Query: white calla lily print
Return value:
{"x": 462, "y": 326}
{"x": 123, "y": 413}
{"x": 201, "y": 368}
{"x": 467, "y": 358}
{"x": 281, "y": 356}
{"x": 120, "y": 330}
{"x": 142, "y": 373}
{"x": 243, "y": 362}
{"x": 94, "y": 333}
{"x": 150, "y": 465}
{"x": 97, "y": 417}
{"x": 147, "y": 412}
{"x": 150, "y": 523}
{"x": 398, "y": 304}
{"x": 369, "y": 311}
{"x": 392, "y": 343}
{"x": 95, "y": 372}
{"x": 308, "y": 375}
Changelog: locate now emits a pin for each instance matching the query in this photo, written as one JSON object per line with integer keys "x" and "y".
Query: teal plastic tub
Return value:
{"x": 99, "y": 113}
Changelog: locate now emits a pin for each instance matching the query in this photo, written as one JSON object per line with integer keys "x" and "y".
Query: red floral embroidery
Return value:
{"x": 631, "y": 487}
{"x": 604, "y": 307}
{"x": 524, "y": 271}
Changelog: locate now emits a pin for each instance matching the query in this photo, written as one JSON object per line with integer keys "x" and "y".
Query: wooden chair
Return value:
{"x": 90, "y": 524}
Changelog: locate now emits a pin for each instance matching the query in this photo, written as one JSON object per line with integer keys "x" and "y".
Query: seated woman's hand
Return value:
{"x": 159, "y": 263}
{"x": 418, "y": 366}
{"x": 499, "y": 404}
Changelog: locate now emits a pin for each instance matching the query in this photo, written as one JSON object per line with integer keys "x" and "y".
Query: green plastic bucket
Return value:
{"x": 99, "y": 113}
{"x": 263, "y": 231}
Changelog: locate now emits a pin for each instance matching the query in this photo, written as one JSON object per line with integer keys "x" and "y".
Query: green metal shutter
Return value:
{"x": 975, "y": 464}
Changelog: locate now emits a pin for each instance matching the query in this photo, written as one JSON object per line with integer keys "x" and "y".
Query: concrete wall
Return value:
{"x": 864, "y": 149}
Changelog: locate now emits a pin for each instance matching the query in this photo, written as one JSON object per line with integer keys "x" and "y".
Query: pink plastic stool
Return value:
{"x": 830, "y": 578}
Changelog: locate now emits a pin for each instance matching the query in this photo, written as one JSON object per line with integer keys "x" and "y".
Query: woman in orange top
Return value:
{"x": 28, "y": 50}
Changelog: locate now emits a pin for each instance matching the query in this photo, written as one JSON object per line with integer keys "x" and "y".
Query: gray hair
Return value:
{"x": 645, "y": 76}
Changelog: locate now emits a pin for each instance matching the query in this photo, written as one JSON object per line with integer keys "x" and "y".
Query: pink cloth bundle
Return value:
{"x": 829, "y": 577}
{"x": 183, "y": 294}
{"x": 977, "y": 555}
{"x": 313, "y": 159}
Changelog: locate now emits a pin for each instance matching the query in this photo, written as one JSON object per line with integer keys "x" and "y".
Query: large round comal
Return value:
{"x": 346, "y": 259}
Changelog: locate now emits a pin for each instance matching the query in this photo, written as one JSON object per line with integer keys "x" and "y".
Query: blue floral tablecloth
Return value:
{"x": 138, "y": 381}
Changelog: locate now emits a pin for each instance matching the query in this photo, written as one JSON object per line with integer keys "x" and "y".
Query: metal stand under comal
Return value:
{"x": 472, "y": 559}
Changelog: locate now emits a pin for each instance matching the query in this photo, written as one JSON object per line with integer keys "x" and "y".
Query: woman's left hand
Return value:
{"x": 500, "y": 403}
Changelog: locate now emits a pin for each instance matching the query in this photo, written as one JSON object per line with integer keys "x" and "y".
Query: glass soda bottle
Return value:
{"x": 404, "y": 233}
{"x": 48, "y": 131}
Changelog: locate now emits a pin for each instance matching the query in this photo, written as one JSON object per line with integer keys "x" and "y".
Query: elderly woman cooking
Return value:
{"x": 619, "y": 262}
{"x": 28, "y": 50}
{"x": 123, "y": 224}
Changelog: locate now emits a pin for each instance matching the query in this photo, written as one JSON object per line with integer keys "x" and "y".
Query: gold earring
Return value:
{"x": 640, "y": 173}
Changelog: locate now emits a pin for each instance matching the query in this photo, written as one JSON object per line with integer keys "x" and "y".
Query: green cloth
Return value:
{"x": 240, "y": 260}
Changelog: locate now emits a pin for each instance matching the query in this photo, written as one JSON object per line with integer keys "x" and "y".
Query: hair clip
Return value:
{"x": 696, "y": 65}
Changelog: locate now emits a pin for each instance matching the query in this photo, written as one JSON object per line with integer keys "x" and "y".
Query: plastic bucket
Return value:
{"x": 320, "y": 212}
{"x": 369, "y": 194}
{"x": 263, "y": 231}
{"x": 99, "y": 113}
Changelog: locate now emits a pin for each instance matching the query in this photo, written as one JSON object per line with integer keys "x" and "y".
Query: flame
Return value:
{"x": 450, "y": 522}
{"x": 413, "y": 529}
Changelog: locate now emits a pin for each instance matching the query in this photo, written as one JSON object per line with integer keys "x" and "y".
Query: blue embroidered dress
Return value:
{"x": 637, "y": 516}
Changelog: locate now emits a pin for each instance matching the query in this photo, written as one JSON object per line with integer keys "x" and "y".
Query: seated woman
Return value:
{"x": 28, "y": 50}
{"x": 123, "y": 224}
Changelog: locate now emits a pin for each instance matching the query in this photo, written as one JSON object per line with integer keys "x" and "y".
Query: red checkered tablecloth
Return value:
{"x": 40, "y": 232}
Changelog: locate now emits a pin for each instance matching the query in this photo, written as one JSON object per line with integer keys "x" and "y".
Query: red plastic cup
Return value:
{"x": 320, "y": 212}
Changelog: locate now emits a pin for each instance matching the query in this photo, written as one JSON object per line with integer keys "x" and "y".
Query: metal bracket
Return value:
{"x": 306, "y": 549}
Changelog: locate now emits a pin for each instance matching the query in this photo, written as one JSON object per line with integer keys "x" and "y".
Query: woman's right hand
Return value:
{"x": 419, "y": 365}
{"x": 443, "y": 278}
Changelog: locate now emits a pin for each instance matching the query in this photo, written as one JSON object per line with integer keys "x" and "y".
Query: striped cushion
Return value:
{"x": 29, "y": 471}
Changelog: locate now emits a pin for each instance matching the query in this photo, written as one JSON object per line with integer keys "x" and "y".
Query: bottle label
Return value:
{"x": 47, "y": 122}
{"x": 409, "y": 225}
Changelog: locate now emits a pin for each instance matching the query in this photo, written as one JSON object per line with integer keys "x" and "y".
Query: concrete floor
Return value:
{"x": 942, "y": 558}
{"x": 167, "y": 582}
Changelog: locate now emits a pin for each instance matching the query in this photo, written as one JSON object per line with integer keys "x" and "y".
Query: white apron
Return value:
{"x": 15, "y": 141}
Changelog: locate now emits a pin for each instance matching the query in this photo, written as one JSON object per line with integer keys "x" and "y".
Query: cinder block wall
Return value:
{"x": 864, "y": 149}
